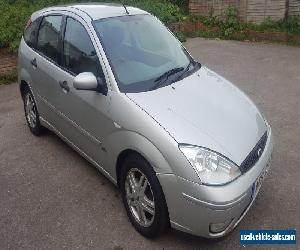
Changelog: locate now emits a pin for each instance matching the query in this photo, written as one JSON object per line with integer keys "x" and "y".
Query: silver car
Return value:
{"x": 186, "y": 147}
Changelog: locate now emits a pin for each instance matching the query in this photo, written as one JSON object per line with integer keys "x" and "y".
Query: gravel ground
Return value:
{"x": 51, "y": 198}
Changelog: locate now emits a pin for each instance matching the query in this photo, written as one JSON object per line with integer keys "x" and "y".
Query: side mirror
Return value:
{"x": 85, "y": 81}
{"x": 88, "y": 81}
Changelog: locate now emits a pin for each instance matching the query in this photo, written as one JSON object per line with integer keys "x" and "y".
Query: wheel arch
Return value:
{"x": 122, "y": 156}
{"x": 23, "y": 86}
{"x": 160, "y": 223}
{"x": 123, "y": 143}
{"x": 24, "y": 80}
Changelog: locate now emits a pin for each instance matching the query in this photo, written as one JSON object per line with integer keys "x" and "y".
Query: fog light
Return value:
{"x": 219, "y": 227}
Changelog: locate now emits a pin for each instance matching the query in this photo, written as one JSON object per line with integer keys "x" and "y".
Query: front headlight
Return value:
{"x": 211, "y": 167}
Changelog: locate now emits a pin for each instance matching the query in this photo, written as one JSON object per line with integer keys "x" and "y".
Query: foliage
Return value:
{"x": 15, "y": 13}
{"x": 181, "y": 36}
{"x": 163, "y": 9}
{"x": 291, "y": 25}
{"x": 207, "y": 34}
{"x": 8, "y": 77}
{"x": 211, "y": 21}
{"x": 231, "y": 24}
{"x": 180, "y": 3}
{"x": 230, "y": 27}
{"x": 183, "y": 4}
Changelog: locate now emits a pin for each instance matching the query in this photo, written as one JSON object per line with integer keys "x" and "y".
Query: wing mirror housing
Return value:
{"x": 88, "y": 81}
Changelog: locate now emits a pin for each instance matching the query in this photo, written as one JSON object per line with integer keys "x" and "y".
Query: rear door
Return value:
{"x": 45, "y": 63}
{"x": 27, "y": 52}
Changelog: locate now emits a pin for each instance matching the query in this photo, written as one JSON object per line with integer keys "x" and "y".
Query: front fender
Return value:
{"x": 120, "y": 141}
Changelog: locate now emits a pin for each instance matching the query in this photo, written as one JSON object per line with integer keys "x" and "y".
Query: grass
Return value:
{"x": 8, "y": 77}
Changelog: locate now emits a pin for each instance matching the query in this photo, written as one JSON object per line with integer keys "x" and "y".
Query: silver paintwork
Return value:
{"x": 85, "y": 81}
{"x": 203, "y": 109}
{"x": 206, "y": 105}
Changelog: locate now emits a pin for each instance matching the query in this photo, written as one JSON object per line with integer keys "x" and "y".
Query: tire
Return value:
{"x": 147, "y": 210}
{"x": 31, "y": 113}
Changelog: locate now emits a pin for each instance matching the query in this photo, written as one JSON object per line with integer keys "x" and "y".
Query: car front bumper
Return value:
{"x": 198, "y": 209}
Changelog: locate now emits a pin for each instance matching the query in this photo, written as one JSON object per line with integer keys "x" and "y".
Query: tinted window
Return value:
{"x": 30, "y": 33}
{"x": 79, "y": 52}
{"x": 48, "y": 37}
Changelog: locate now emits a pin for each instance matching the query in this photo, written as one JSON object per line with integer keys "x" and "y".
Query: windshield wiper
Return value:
{"x": 192, "y": 66}
{"x": 166, "y": 75}
{"x": 186, "y": 70}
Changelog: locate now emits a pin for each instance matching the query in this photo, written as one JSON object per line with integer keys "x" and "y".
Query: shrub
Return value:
{"x": 231, "y": 28}
{"x": 183, "y": 4}
{"x": 291, "y": 25}
{"x": 231, "y": 24}
{"x": 163, "y": 9}
{"x": 227, "y": 27}
{"x": 8, "y": 77}
{"x": 181, "y": 36}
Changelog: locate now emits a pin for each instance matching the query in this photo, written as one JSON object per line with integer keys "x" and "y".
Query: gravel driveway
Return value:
{"x": 51, "y": 198}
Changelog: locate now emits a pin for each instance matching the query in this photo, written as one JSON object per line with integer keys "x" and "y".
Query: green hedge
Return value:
{"x": 15, "y": 13}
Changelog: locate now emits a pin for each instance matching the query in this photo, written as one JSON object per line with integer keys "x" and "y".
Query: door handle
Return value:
{"x": 64, "y": 85}
{"x": 33, "y": 62}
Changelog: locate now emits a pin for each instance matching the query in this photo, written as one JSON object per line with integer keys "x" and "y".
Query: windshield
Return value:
{"x": 143, "y": 54}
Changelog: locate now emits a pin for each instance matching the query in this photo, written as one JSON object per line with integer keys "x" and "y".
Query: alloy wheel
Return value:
{"x": 140, "y": 198}
{"x": 30, "y": 110}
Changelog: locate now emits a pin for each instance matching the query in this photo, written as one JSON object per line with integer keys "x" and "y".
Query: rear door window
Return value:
{"x": 48, "y": 37}
{"x": 30, "y": 33}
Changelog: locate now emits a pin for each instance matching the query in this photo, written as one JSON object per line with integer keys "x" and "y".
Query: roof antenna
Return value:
{"x": 125, "y": 8}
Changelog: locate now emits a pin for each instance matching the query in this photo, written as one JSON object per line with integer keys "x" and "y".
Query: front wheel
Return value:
{"x": 31, "y": 113}
{"x": 143, "y": 197}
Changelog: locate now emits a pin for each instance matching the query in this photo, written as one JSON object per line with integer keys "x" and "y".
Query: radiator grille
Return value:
{"x": 255, "y": 154}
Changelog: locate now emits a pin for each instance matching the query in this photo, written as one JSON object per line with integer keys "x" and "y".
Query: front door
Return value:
{"x": 84, "y": 114}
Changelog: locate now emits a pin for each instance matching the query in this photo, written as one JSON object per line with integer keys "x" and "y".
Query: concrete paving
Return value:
{"x": 51, "y": 198}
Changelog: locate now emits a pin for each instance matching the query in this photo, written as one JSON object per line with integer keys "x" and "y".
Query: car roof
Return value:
{"x": 96, "y": 10}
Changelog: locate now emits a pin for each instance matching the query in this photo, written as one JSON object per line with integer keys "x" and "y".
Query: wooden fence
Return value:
{"x": 294, "y": 7}
{"x": 248, "y": 10}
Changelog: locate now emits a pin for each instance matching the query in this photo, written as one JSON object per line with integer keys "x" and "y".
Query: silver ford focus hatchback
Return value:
{"x": 185, "y": 146}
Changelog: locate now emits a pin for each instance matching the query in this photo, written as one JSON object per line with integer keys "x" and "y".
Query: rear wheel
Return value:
{"x": 31, "y": 113}
{"x": 143, "y": 197}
